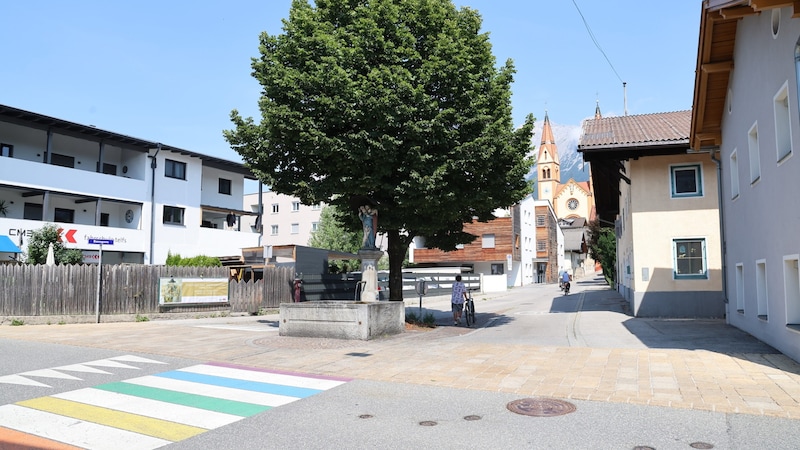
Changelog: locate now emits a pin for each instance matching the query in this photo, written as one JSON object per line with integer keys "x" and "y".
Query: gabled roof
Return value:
{"x": 583, "y": 185}
{"x": 642, "y": 132}
{"x": 574, "y": 239}
{"x": 92, "y": 133}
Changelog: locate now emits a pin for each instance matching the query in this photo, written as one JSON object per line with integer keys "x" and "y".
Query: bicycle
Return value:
{"x": 469, "y": 309}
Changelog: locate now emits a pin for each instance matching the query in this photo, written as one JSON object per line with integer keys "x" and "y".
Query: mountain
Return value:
{"x": 567, "y": 137}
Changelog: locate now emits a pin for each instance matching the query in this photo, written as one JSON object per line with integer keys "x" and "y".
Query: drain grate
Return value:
{"x": 541, "y": 407}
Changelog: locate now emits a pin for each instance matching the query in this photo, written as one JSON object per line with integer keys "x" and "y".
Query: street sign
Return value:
{"x": 102, "y": 241}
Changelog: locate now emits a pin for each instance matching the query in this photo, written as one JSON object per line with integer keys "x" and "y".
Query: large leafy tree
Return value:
{"x": 40, "y": 241}
{"x": 603, "y": 248}
{"x": 331, "y": 234}
{"x": 400, "y": 101}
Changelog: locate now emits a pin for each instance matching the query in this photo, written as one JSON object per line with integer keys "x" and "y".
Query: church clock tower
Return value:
{"x": 547, "y": 164}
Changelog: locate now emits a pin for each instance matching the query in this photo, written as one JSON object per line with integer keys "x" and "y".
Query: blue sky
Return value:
{"x": 172, "y": 71}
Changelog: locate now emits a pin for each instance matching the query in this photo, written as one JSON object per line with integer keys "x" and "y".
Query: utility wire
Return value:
{"x": 597, "y": 44}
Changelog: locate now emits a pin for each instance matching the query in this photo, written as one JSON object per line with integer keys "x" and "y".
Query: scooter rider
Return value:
{"x": 565, "y": 281}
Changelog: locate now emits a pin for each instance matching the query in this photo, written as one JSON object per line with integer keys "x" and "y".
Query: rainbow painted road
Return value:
{"x": 152, "y": 411}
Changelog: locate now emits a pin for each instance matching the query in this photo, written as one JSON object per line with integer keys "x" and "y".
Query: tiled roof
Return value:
{"x": 636, "y": 131}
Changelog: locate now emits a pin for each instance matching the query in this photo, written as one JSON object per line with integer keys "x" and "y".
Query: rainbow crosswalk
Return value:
{"x": 152, "y": 411}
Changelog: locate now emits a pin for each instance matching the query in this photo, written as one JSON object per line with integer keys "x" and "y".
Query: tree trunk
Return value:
{"x": 398, "y": 245}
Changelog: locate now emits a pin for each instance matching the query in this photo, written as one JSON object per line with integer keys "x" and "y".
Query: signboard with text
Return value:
{"x": 176, "y": 291}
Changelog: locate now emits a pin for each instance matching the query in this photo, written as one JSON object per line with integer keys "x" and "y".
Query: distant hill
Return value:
{"x": 567, "y": 137}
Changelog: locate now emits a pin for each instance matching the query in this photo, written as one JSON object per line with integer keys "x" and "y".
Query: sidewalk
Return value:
{"x": 698, "y": 365}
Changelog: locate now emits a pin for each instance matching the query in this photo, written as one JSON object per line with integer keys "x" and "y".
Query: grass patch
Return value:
{"x": 17, "y": 322}
{"x": 140, "y": 318}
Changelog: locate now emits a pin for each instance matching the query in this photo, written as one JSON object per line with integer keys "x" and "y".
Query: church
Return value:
{"x": 570, "y": 200}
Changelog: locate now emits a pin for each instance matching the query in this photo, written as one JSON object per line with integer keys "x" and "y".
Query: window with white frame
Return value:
{"x": 314, "y": 226}
{"x": 783, "y": 124}
{"x": 734, "y": 175}
{"x": 275, "y": 208}
{"x": 274, "y": 230}
{"x": 316, "y": 206}
{"x": 295, "y": 228}
{"x": 540, "y": 220}
{"x": 686, "y": 180}
{"x": 295, "y": 206}
{"x": 761, "y": 290}
{"x": 740, "y": 288}
{"x": 791, "y": 280}
{"x": 755, "y": 156}
{"x": 487, "y": 241}
{"x": 689, "y": 258}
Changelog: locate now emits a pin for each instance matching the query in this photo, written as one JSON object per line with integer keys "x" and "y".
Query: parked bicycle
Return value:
{"x": 469, "y": 308}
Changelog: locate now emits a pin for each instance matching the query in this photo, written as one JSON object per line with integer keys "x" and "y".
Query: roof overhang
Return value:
{"x": 717, "y": 40}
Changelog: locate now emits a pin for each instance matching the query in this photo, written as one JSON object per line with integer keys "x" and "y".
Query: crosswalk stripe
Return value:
{"x": 151, "y": 408}
{"x": 220, "y": 405}
{"x": 264, "y": 376}
{"x": 110, "y": 363}
{"x": 81, "y": 368}
{"x": 255, "y": 386}
{"x": 133, "y": 358}
{"x": 239, "y": 395}
{"x": 157, "y": 428}
{"x": 17, "y": 379}
{"x": 74, "y": 432}
{"x": 13, "y": 439}
{"x": 49, "y": 373}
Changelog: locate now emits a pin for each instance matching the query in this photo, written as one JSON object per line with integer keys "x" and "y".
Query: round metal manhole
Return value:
{"x": 365, "y": 416}
{"x": 704, "y": 445}
{"x": 472, "y": 417}
{"x": 541, "y": 407}
{"x": 428, "y": 423}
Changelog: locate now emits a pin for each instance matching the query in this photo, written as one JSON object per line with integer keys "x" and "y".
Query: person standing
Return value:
{"x": 457, "y": 299}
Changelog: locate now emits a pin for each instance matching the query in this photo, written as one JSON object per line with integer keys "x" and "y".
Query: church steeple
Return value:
{"x": 547, "y": 163}
{"x": 597, "y": 114}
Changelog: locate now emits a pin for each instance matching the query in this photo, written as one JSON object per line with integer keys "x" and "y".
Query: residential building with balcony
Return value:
{"x": 150, "y": 199}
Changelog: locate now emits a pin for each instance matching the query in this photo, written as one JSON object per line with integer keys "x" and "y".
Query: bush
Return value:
{"x": 194, "y": 261}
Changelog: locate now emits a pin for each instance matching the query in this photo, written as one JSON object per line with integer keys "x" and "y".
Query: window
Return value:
{"x": 497, "y": 269}
{"x": 108, "y": 169}
{"x": 316, "y": 206}
{"x": 104, "y": 219}
{"x": 314, "y": 226}
{"x": 487, "y": 241}
{"x": 686, "y": 181}
{"x": 295, "y": 228}
{"x": 791, "y": 280}
{"x": 275, "y": 208}
{"x": 224, "y": 186}
{"x": 173, "y": 215}
{"x": 755, "y": 158}
{"x": 33, "y": 211}
{"x": 541, "y": 246}
{"x": 62, "y": 160}
{"x": 740, "y": 288}
{"x": 734, "y": 174}
{"x": 295, "y": 206}
{"x": 7, "y": 150}
{"x": 761, "y": 289}
{"x": 540, "y": 220}
{"x": 274, "y": 230}
{"x": 64, "y": 215}
{"x": 690, "y": 258}
{"x": 174, "y": 169}
{"x": 783, "y": 124}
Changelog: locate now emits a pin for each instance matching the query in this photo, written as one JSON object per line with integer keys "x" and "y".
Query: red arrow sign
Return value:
{"x": 70, "y": 236}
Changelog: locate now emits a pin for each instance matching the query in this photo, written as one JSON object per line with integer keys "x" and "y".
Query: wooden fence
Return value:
{"x": 71, "y": 290}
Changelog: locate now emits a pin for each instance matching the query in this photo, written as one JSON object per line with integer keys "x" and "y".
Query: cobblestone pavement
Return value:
{"x": 765, "y": 383}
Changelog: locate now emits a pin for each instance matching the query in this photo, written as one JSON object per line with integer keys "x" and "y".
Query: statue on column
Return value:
{"x": 369, "y": 221}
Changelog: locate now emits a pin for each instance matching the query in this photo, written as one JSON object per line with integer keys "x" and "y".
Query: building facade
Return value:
{"x": 662, "y": 199}
{"x": 747, "y": 113}
{"x": 143, "y": 198}
{"x": 286, "y": 221}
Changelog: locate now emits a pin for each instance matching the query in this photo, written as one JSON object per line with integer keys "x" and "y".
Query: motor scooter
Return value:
{"x": 566, "y": 288}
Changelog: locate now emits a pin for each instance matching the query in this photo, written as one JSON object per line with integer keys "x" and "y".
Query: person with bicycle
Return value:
{"x": 565, "y": 281}
{"x": 457, "y": 299}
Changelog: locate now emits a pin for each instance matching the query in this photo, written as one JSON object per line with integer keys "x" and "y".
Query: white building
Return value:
{"x": 746, "y": 110}
{"x": 149, "y": 199}
{"x": 286, "y": 220}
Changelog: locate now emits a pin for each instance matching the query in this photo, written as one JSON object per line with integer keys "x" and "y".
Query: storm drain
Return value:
{"x": 540, "y": 407}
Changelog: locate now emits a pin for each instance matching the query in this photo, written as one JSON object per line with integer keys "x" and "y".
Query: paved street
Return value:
{"x": 635, "y": 382}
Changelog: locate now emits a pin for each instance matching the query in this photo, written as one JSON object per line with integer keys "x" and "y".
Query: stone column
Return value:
{"x": 369, "y": 273}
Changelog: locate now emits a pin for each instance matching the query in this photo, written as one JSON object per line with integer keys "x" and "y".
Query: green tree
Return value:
{"x": 400, "y": 101}
{"x": 603, "y": 248}
{"x": 331, "y": 234}
{"x": 40, "y": 241}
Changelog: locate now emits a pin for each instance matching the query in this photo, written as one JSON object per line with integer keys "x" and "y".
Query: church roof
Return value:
{"x": 581, "y": 184}
{"x": 547, "y": 150}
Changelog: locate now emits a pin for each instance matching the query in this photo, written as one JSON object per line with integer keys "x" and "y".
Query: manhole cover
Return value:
{"x": 540, "y": 407}
{"x": 428, "y": 423}
{"x": 705, "y": 445}
{"x": 472, "y": 417}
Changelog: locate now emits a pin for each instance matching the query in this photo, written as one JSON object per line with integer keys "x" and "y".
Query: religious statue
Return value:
{"x": 369, "y": 221}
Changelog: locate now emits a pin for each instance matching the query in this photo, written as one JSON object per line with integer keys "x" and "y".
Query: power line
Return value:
{"x": 597, "y": 44}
